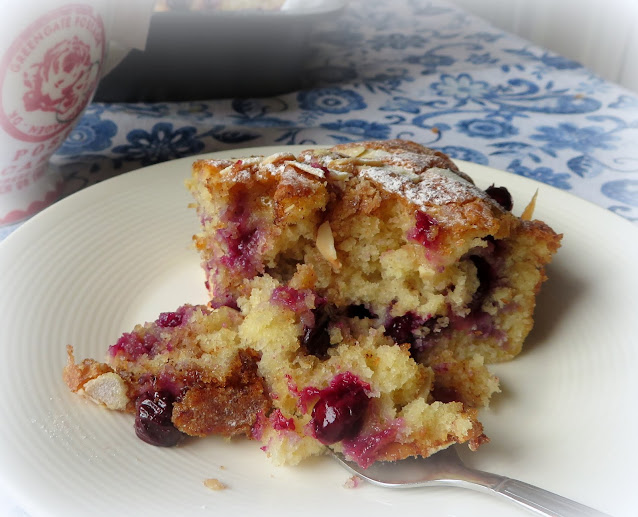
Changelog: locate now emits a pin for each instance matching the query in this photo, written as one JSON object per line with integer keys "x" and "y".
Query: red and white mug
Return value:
{"x": 52, "y": 54}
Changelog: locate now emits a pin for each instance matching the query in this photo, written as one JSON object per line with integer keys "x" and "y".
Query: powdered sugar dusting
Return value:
{"x": 414, "y": 161}
{"x": 274, "y": 169}
{"x": 433, "y": 187}
{"x": 292, "y": 176}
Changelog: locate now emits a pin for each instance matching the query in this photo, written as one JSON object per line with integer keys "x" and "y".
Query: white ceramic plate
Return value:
{"x": 118, "y": 253}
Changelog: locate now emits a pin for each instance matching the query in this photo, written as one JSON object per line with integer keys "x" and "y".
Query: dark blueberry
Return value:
{"x": 316, "y": 338}
{"x": 484, "y": 275}
{"x": 446, "y": 394}
{"x": 400, "y": 328}
{"x": 170, "y": 319}
{"x": 153, "y": 419}
{"x": 359, "y": 311}
{"x": 340, "y": 411}
{"x": 501, "y": 195}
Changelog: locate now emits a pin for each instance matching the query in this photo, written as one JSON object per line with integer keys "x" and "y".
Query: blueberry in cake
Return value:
{"x": 357, "y": 294}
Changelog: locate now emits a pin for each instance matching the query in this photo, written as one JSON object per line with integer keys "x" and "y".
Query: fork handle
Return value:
{"x": 541, "y": 501}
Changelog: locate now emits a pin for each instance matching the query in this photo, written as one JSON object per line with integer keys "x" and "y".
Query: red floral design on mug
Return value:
{"x": 54, "y": 65}
{"x": 60, "y": 82}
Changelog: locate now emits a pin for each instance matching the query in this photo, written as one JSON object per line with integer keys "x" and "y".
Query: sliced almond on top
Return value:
{"x": 306, "y": 167}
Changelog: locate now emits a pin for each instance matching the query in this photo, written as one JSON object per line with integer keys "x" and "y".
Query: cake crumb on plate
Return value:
{"x": 214, "y": 484}
{"x": 352, "y": 482}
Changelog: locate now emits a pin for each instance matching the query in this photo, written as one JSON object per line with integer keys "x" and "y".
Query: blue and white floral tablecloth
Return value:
{"x": 422, "y": 70}
{"x": 414, "y": 69}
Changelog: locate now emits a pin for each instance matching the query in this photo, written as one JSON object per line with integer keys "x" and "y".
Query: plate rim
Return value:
{"x": 114, "y": 182}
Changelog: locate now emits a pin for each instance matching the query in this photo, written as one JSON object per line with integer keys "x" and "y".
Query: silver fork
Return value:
{"x": 445, "y": 468}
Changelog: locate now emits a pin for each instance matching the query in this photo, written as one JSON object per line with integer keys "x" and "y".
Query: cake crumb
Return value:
{"x": 214, "y": 484}
{"x": 352, "y": 482}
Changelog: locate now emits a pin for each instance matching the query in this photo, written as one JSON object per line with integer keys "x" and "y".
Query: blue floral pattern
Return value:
{"x": 91, "y": 134}
{"x": 331, "y": 100}
{"x": 462, "y": 87}
{"x": 360, "y": 129}
{"x": 425, "y": 71}
{"x": 543, "y": 174}
{"x": 162, "y": 143}
{"x": 624, "y": 191}
{"x": 486, "y": 128}
{"x": 570, "y": 136}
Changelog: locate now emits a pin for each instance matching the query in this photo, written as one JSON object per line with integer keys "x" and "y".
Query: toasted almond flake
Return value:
{"x": 339, "y": 175}
{"x": 278, "y": 157}
{"x": 370, "y": 162}
{"x": 315, "y": 171}
{"x": 226, "y": 170}
{"x": 528, "y": 213}
{"x": 214, "y": 484}
{"x": 108, "y": 389}
{"x": 326, "y": 245}
{"x": 353, "y": 151}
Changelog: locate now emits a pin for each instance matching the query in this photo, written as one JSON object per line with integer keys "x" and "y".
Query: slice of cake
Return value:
{"x": 357, "y": 294}
{"x": 390, "y": 229}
